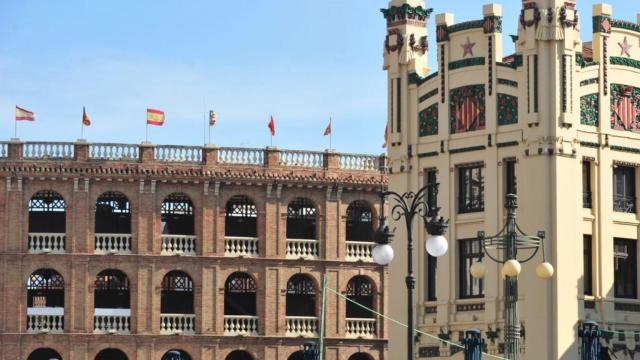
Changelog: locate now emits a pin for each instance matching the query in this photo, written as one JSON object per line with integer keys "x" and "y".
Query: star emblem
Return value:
{"x": 468, "y": 48}
{"x": 625, "y": 47}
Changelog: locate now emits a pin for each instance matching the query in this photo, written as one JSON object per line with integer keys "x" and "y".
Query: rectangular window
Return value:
{"x": 586, "y": 184}
{"x": 431, "y": 266}
{"x": 625, "y": 281}
{"x": 588, "y": 264}
{"x": 470, "y": 251}
{"x": 432, "y": 195}
{"x": 471, "y": 189}
{"x": 510, "y": 182}
{"x": 624, "y": 189}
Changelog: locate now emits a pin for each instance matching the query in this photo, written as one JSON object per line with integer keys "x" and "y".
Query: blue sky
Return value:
{"x": 297, "y": 59}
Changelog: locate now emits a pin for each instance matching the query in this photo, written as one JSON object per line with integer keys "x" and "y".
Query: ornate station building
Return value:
{"x": 558, "y": 123}
{"x": 113, "y": 252}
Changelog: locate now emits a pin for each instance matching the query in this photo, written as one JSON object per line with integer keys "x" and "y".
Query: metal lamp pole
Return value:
{"x": 511, "y": 239}
{"x": 408, "y": 206}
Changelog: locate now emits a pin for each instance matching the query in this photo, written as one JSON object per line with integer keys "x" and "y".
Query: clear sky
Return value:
{"x": 299, "y": 60}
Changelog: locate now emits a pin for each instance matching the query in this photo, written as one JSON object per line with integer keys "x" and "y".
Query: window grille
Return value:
{"x": 177, "y": 215}
{"x": 111, "y": 290}
{"x": 301, "y": 296}
{"x": 240, "y": 295}
{"x": 45, "y": 288}
{"x": 241, "y": 217}
{"x": 360, "y": 290}
{"x": 113, "y": 214}
{"x": 177, "y": 203}
{"x": 359, "y": 222}
{"x": 301, "y": 219}
{"x": 47, "y": 213}
{"x": 46, "y": 200}
{"x": 176, "y": 296}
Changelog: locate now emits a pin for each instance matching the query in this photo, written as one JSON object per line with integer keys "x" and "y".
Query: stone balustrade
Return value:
{"x": 240, "y": 246}
{"x": 178, "y": 245}
{"x": 302, "y": 326}
{"x": 360, "y": 251}
{"x": 302, "y": 249}
{"x": 46, "y": 243}
{"x": 240, "y": 325}
{"x": 112, "y": 151}
{"x": 111, "y": 324}
{"x": 113, "y": 244}
{"x": 177, "y": 324}
{"x": 207, "y": 155}
{"x": 360, "y": 328}
{"x": 41, "y": 323}
{"x": 48, "y": 150}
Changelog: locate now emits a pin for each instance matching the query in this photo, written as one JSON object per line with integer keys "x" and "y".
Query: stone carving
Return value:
{"x": 589, "y": 109}
{"x": 428, "y": 121}
{"x": 625, "y": 108}
{"x": 507, "y": 109}
{"x": 467, "y": 108}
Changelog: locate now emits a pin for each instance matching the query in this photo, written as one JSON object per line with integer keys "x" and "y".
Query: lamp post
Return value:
{"x": 408, "y": 206}
{"x": 511, "y": 239}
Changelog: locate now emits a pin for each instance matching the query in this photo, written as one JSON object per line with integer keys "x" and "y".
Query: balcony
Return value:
{"x": 40, "y": 243}
{"x": 178, "y": 245}
{"x": 360, "y": 328}
{"x": 240, "y": 246}
{"x": 302, "y": 249}
{"x": 586, "y": 199}
{"x": 360, "y": 251}
{"x": 240, "y": 325}
{"x": 174, "y": 324}
{"x": 112, "y": 321}
{"x": 306, "y": 326}
{"x": 113, "y": 244}
{"x": 623, "y": 203}
{"x": 42, "y": 320}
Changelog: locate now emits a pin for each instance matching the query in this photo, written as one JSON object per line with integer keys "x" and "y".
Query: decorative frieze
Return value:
{"x": 589, "y": 109}
{"x": 508, "y": 82}
{"x": 428, "y": 95}
{"x": 406, "y": 12}
{"x": 589, "y": 81}
{"x": 507, "y": 109}
{"x": 428, "y": 121}
{"x": 617, "y": 60}
{"x": 475, "y": 61}
{"x": 467, "y": 109}
{"x": 467, "y": 25}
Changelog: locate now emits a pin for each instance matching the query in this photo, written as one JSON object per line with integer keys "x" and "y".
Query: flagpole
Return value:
{"x": 146, "y": 133}
{"x": 15, "y": 128}
{"x": 82, "y": 124}
{"x": 330, "y": 132}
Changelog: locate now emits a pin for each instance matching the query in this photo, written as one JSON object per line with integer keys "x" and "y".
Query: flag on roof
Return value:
{"x": 386, "y": 136}
{"x": 85, "y": 118}
{"x": 272, "y": 126}
{"x": 155, "y": 117}
{"x": 212, "y": 117}
{"x": 24, "y": 114}
{"x": 327, "y": 130}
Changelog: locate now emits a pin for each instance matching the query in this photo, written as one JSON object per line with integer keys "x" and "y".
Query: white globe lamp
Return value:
{"x": 383, "y": 254}
{"x": 437, "y": 245}
{"x": 478, "y": 270}
{"x": 512, "y": 268}
{"x": 544, "y": 270}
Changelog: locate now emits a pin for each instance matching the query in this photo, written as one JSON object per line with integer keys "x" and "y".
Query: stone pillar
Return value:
{"x": 331, "y": 160}
{"x": 271, "y": 156}
{"x": 210, "y": 154}
{"x": 15, "y": 149}
{"x": 81, "y": 150}
{"x": 147, "y": 150}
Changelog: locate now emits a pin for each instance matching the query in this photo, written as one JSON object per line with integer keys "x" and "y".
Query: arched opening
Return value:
{"x": 301, "y": 296}
{"x": 176, "y": 296}
{"x": 301, "y": 219}
{"x": 177, "y": 215}
{"x": 298, "y": 355}
{"x": 360, "y": 290}
{"x": 44, "y": 354}
{"x": 113, "y": 223}
{"x": 360, "y": 356}
{"x": 111, "y": 354}
{"x": 47, "y": 222}
{"x": 113, "y": 214}
{"x": 240, "y": 295}
{"x": 45, "y": 301}
{"x": 111, "y": 302}
{"x": 359, "y": 222}
{"x": 176, "y": 355}
{"x": 239, "y": 355}
{"x": 240, "y": 217}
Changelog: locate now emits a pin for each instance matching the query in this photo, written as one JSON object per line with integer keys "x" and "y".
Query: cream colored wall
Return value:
{"x": 551, "y": 146}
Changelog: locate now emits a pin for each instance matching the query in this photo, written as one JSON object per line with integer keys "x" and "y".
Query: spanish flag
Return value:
{"x": 155, "y": 117}
{"x": 85, "y": 118}
{"x": 24, "y": 114}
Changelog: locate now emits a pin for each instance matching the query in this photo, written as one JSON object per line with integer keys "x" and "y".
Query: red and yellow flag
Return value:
{"x": 272, "y": 126}
{"x": 85, "y": 118}
{"x": 155, "y": 117}
{"x": 24, "y": 114}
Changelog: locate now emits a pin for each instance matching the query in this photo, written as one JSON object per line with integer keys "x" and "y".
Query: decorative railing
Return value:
{"x": 360, "y": 328}
{"x": 45, "y": 323}
{"x": 48, "y": 150}
{"x": 624, "y": 203}
{"x": 111, "y": 324}
{"x": 113, "y": 244}
{"x": 178, "y": 245}
{"x": 586, "y": 199}
{"x": 112, "y": 151}
{"x": 240, "y": 325}
{"x": 47, "y": 242}
{"x": 4, "y": 149}
{"x": 313, "y": 159}
{"x": 302, "y": 326}
{"x": 302, "y": 248}
{"x": 358, "y": 162}
{"x": 241, "y": 156}
{"x": 177, "y": 324}
{"x": 360, "y": 250}
{"x": 240, "y": 246}
{"x": 177, "y": 153}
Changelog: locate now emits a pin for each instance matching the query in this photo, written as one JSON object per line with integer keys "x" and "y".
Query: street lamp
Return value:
{"x": 511, "y": 239}
{"x": 408, "y": 205}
